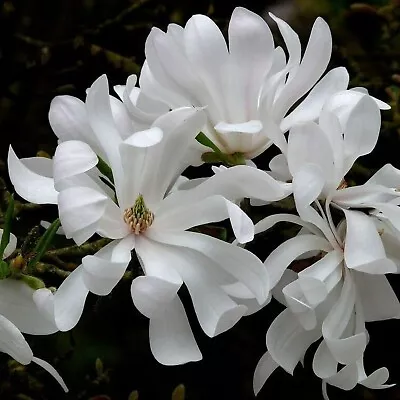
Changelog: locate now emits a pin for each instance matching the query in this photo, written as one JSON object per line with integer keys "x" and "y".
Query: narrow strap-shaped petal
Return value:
{"x": 11, "y": 246}
{"x": 69, "y": 300}
{"x": 29, "y": 184}
{"x": 71, "y": 158}
{"x": 17, "y": 304}
{"x": 313, "y": 64}
{"x": 349, "y": 349}
{"x": 287, "y": 341}
{"x": 364, "y": 249}
{"x": 171, "y": 338}
{"x": 210, "y": 209}
{"x": 254, "y": 183}
{"x": 265, "y": 367}
{"x": 103, "y": 270}
{"x": 240, "y": 263}
{"x": 52, "y": 371}
{"x": 309, "y": 109}
{"x": 379, "y": 301}
{"x": 280, "y": 259}
{"x": 13, "y": 342}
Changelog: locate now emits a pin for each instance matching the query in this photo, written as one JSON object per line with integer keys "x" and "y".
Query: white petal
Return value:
{"x": 308, "y": 184}
{"x": 233, "y": 183}
{"x": 151, "y": 295}
{"x": 265, "y": 367}
{"x": 251, "y": 49}
{"x": 79, "y": 208}
{"x": 103, "y": 270}
{"x": 31, "y": 186}
{"x": 17, "y": 304}
{"x": 388, "y": 176}
{"x": 44, "y": 300}
{"x": 121, "y": 117}
{"x": 211, "y": 209}
{"x": 297, "y": 303}
{"x": 146, "y": 138}
{"x": 287, "y": 252}
{"x": 292, "y": 41}
{"x": 167, "y": 72}
{"x": 240, "y": 263}
{"x": 69, "y": 300}
{"x": 68, "y": 119}
{"x": 249, "y": 127}
{"x": 214, "y": 308}
{"x": 52, "y": 371}
{"x": 171, "y": 338}
{"x": 346, "y": 378}
{"x": 309, "y": 109}
{"x": 307, "y": 144}
{"x": 287, "y": 341}
{"x": 206, "y": 49}
{"x": 317, "y": 280}
{"x": 156, "y": 168}
{"x": 11, "y": 246}
{"x": 362, "y": 130}
{"x": 288, "y": 277}
{"x": 348, "y": 349}
{"x": 364, "y": 250}
{"x": 268, "y": 222}
{"x": 72, "y": 158}
{"x": 13, "y": 343}
{"x": 101, "y": 120}
{"x": 313, "y": 64}
{"x": 324, "y": 364}
{"x": 377, "y": 379}
{"x": 379, "y": 301}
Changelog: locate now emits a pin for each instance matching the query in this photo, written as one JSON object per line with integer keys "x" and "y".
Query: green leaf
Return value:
{"x": 5, "y": 239}
{"x": 4, "y": 270}
{"x": 104, "y": 168}
{"x": 205, "y": 141}
{"x": 32, "y": 281}
{"x": 212, "y": 158}
{"x": 44, "y": 242}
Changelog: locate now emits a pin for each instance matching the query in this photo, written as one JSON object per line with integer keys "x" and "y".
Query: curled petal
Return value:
{"x": 30, "y": 185}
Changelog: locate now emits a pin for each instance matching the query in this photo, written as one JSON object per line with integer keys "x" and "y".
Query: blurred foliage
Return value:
{"x": 49, "y": 48}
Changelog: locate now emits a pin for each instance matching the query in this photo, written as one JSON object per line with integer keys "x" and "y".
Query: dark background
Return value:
{"x": 48, "y": 48}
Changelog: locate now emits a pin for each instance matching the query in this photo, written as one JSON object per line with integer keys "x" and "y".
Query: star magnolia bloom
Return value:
{"x": 143, "y": 214}
{"x": 332, "y": 299}
{"x": 323, "y": 153}
{"x": 22, "y": 309}
{"x": 247, "y": 89}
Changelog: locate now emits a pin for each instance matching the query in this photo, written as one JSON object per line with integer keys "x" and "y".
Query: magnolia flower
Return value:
{"x": 137, "y": 209}
{"x": 247, "y": 89}
{"x": 326, "y": 151}
{"x": 22, "y": 310}
{"x": 332, "y": 299}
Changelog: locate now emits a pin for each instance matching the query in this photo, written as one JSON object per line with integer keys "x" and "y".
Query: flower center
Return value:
{"x": 138, "y": 217}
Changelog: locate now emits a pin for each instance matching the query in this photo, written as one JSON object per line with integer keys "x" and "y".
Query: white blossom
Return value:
{"x": 22, "y": 310}
{"x": 140, "y": 212}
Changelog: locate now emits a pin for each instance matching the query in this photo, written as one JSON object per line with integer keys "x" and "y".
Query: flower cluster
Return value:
{"x": 117, "y": 172}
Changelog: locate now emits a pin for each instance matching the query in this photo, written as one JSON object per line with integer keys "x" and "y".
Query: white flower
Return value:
{"x": 332, "y": 298}
{"x": 247, "y": 89}
{"x": 346, "y": 287}
{"x": 143, "y": 214}
{"x": 22, "y": 310}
